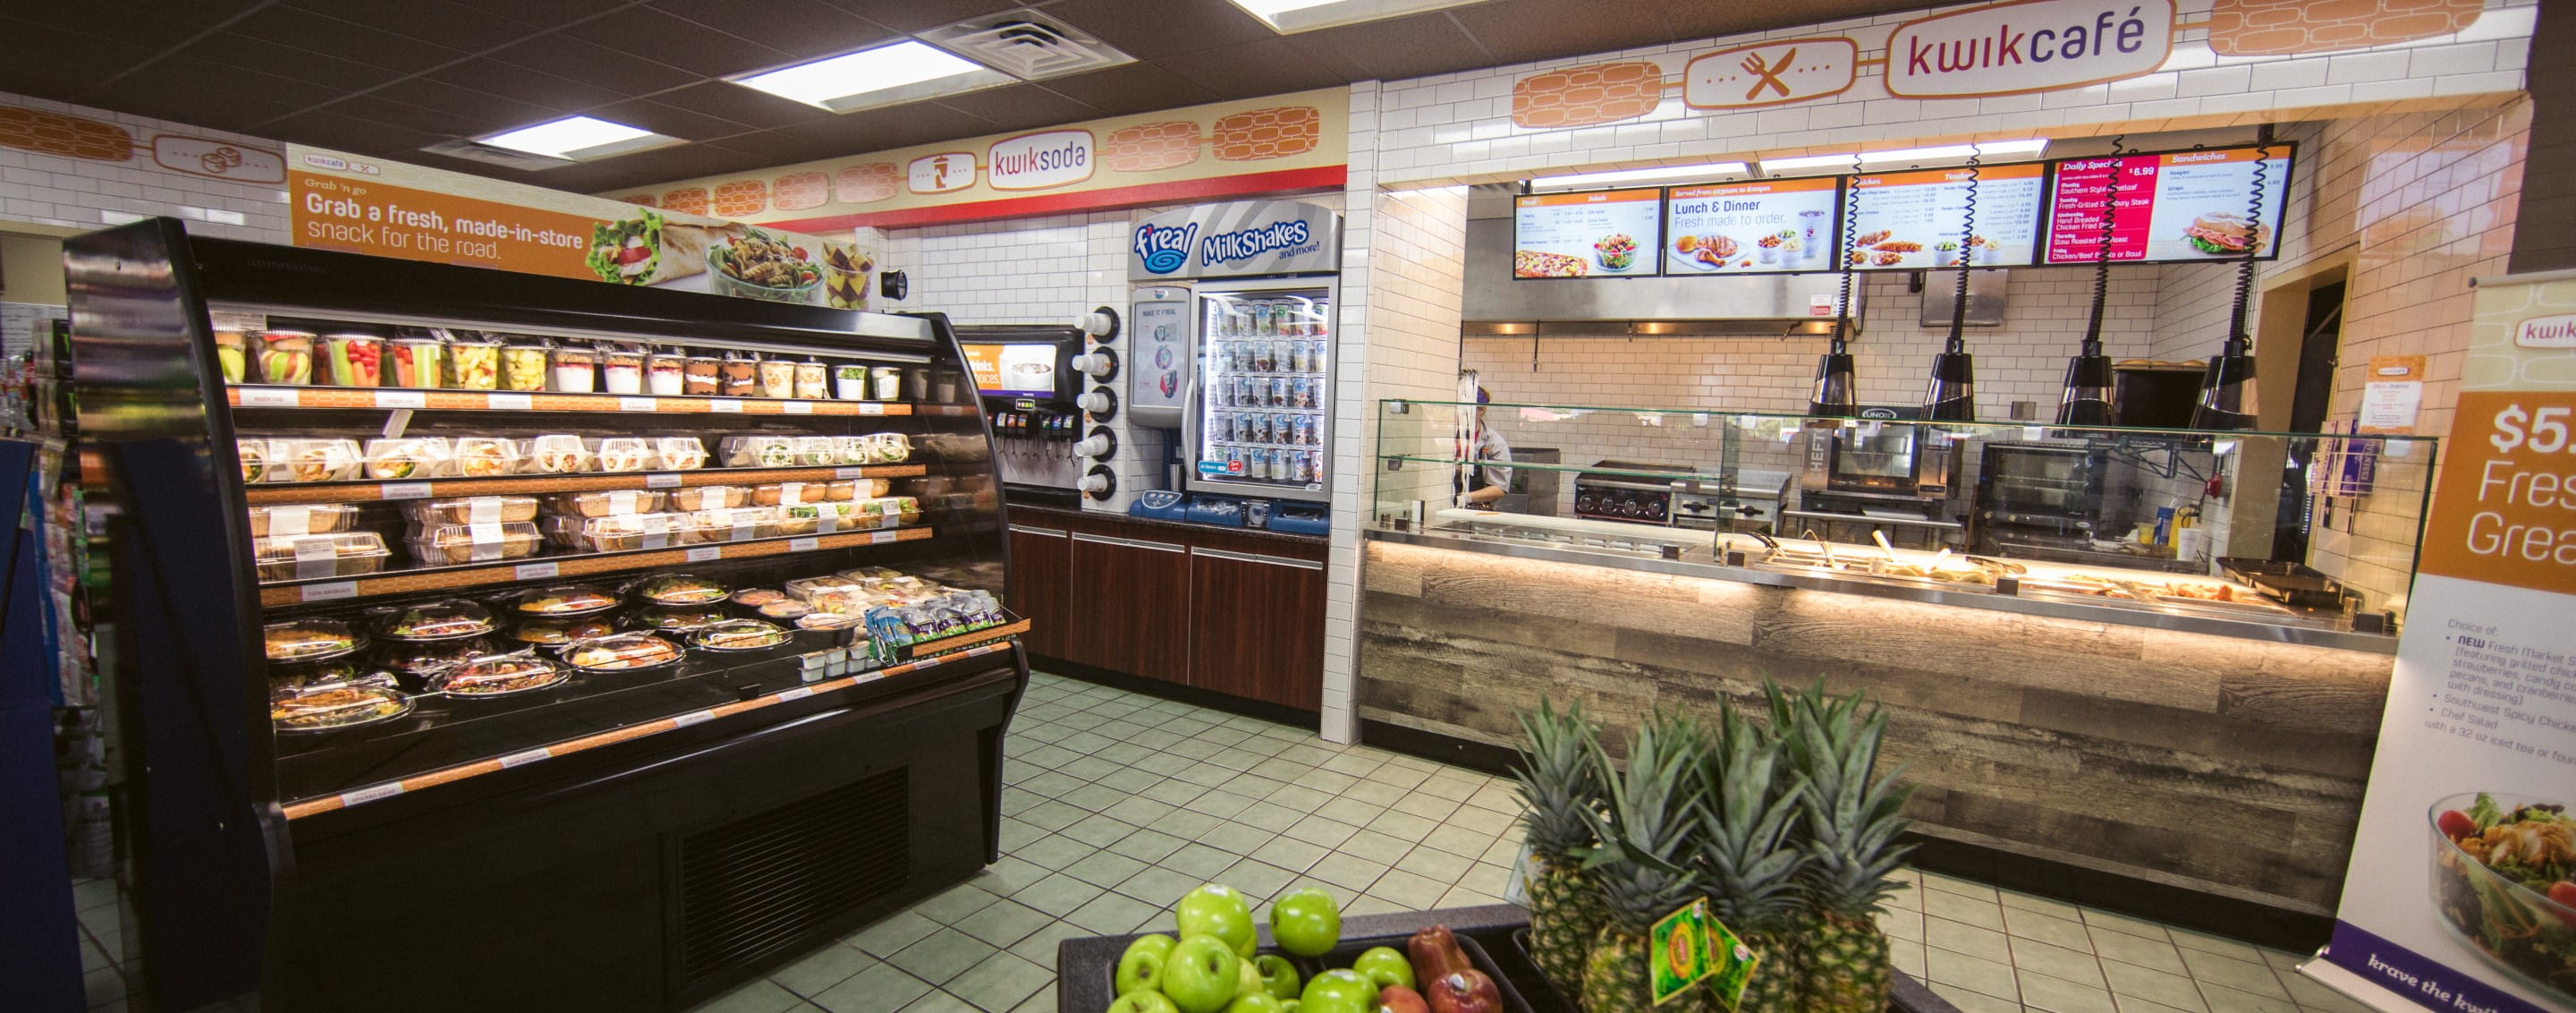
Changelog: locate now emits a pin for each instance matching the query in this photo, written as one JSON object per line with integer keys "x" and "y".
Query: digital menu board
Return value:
{"x": 1016, "y": 369}
{"x": 1918, "y": 219}
{"x": 1587, "y": 234}
{"x": 2180, "y": 206}
{"x": 1765, "y": 226}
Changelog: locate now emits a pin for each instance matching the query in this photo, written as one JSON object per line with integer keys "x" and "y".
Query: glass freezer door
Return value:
{"x": 1265, "y": 393}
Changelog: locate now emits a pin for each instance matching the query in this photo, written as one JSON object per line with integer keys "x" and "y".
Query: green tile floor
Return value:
{"x": 1117, "y": 804}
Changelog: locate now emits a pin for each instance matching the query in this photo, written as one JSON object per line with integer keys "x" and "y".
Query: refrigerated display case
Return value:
{"x": 582, "y": 683}
{"x": 1260, "y": 423}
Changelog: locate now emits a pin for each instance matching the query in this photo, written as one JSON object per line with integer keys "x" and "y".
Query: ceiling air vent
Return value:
{"x": 476, "y": 151}
{"x": 1026, "y": 44}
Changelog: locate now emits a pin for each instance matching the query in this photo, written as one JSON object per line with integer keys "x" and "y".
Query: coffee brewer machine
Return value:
{"x": 1025, "y": 376}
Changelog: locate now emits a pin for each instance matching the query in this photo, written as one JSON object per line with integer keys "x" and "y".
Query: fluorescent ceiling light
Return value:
{"x": 885, "y": 75}
{"x": 1988, "y": 149}
{"x": 1842, "y": 161}
{"x": 1292, "y": 16}
{"x": 1615, "y": 177}
{"x": 577, "y": 138}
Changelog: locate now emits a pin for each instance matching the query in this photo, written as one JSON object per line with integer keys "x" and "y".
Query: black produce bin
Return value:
{"x": 1086, "y": 969}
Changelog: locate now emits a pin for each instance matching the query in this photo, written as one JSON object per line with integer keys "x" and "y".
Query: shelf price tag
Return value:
{"x": 871, "y": 408}
{"x": 705, "y": 554}
{"x": 797, "y": 408}
{"x": 509, "y": 402}
{"x": 882, "y": 537}
{"x": 806, "y": 544}
{"x": 867, "y": 677}
{"x": 530, "y": 756}
{"x": 662, "y": 480}
{"x": 691, "y": 718}
{"x": 401, "y": 399}
{"x": 799, "y": 693}
{"x": 333, "y": 591}
{"x": 725, "y": 405}
{"x": 638, "y": 404}
{"x": 403, "y": 490}
{"x": 270, "y": 397}
{"x": 849, "y": 472}
{"x": 363, "y": 796}
{"x": 533, "y": 571}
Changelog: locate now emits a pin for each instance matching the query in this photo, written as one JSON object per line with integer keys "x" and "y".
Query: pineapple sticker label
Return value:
{"x": 1731, "y": 963}
{"x": 1679, "y": 951}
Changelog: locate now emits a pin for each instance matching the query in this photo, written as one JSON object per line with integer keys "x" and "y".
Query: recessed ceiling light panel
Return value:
{"x": 1288, "y": 17}
{"x": 1778, "y": 165}
{"x": 578, "y": 139}
{"x": 886, "y": 75}
{"x": 1710, "y": 171}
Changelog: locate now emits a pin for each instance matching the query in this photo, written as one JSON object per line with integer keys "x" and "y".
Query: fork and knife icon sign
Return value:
{"x": 1768, "y": 73}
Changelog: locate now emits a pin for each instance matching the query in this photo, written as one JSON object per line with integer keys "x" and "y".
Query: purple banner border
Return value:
{"x": 2356, "y": 950}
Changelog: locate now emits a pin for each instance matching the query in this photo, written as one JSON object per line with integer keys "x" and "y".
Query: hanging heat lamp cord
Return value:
{"x": 2227, "y": 393}
{"x": 1967, "y": 254}
{"x": 2254, "y": 216}
{"x": 2102, "y": 255}
{"x": 1836, "y": 390}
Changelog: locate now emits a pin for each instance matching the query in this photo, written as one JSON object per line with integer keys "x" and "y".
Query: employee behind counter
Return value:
{"x": 1485, "y": 483}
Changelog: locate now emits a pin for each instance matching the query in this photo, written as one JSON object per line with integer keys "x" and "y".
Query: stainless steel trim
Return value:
{"x": 2311, "y": 636}
{"x": 1080, "y": 536}
{"x": 1025, "y": 530}
{"x": 1156, "y": 546}
{"x": 1255, "y": 557}
{"x": 872, "y": 325}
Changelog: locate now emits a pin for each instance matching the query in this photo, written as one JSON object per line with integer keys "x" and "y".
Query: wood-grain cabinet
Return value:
{"x": 1212, "y": 609}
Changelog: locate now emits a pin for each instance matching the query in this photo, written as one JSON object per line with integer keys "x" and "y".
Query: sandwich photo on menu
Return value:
{"x": 2227, "y": 234}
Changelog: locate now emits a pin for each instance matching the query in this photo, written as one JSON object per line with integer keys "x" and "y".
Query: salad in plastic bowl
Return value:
{"x": 2504, "y": 879}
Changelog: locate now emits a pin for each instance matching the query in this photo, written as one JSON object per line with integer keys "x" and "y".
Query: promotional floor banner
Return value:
{"x": 2462, "y": 889}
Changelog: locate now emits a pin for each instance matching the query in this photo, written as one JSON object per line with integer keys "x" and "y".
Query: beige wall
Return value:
{"x": 31, "y": 269}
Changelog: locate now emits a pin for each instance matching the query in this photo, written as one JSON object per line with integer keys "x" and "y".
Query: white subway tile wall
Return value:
{"x": 84, "y": 194}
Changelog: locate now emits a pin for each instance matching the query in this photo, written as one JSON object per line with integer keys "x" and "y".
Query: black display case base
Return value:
{"x": 1086, "y": 968}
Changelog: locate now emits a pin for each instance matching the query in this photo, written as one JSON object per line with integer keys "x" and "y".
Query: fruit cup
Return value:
{"x": 286, "y": 357}
{"x": 419, "y": 362}
{"x": 357, "y": 360}
{"x": 231, "y": 354}
{"x": 523, "y": 367}
{"x": 474, "y": 365}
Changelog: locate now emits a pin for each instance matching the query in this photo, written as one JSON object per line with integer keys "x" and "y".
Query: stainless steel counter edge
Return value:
{"x": 2302, "y": 635}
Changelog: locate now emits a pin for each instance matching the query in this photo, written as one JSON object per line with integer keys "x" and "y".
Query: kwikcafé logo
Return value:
{"x": 1163, "y": 248}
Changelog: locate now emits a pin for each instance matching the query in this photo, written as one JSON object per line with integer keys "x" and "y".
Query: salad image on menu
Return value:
{"x": 1919, "y": 219}
{"x": 1744, "y": 228}
{"x": 1578, "y": 235}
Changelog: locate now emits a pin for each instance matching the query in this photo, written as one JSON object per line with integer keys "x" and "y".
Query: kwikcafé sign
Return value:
{"x": 1242, "y": 239}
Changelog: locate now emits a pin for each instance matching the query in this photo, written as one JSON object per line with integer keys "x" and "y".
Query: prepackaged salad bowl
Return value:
{"x": 2504, "y": 880}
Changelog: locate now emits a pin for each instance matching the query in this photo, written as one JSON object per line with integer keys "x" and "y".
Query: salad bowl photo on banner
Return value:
{"x": 2461, "y": 894}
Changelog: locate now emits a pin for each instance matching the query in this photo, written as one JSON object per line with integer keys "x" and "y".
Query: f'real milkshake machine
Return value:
{"x": 1029, "y": 378}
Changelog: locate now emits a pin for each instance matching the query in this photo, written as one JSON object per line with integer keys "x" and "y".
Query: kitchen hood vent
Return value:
{"x": 1747, "y": 306}
{"x": 1027, "y": 45}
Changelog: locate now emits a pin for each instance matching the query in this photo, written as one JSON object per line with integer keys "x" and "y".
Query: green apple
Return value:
{"x": 1288, "y": 1006}
{"x": 1217, "y": 910}
{"x": 1142, "y": 965}
{"x": 1385, "y": 965}
{"x": 1253, "y": 1002}
{"x": 1250, "y": 980}
{"x": 1338, "y": 991}
{"x": 1306, "y": 923}
{"x": 1202, "y": 973}
{"x": 1277, "y": 975}
{"x": 1143, "y": 1000}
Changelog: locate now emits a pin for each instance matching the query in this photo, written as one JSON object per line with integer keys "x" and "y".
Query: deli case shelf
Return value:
{"x": 545, "y": 680}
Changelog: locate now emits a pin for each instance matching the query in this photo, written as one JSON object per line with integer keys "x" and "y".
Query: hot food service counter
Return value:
{"x": 2066, "y": 682}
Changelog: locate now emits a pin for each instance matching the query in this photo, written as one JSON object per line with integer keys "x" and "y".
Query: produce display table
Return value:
{"x": 1085, "y": 967}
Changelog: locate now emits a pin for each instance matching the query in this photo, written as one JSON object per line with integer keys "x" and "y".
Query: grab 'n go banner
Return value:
{"x": 2462, "y": 890}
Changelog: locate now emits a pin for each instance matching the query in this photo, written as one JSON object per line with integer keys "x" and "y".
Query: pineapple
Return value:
{"x": 1851, "y": 820}
{"x": 1642, "y": 860}
{"x": 1561, "y": 782}
{"x": 1750, "y": 809}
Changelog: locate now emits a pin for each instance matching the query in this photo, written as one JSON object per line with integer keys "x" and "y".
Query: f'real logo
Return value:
{"x": 1164, "y": 248}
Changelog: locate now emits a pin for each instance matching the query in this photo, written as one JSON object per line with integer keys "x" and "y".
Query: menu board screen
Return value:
{"x": 1012, "y": 370}
{"x": 2180, "y": 206}
{"x": 1588, "y": 234}
{"x": 1918, "y": 219}
{"x": 1775, "y": 225}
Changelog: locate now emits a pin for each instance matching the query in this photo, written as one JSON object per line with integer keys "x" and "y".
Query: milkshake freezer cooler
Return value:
{"x": 1255, "y": 396}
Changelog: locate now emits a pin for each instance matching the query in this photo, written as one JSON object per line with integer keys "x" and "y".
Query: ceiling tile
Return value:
{"x": 1131, "y": 88}
{"x": 358, "y": 134}
{"x": 1521, "y": 30}
{"x": 469, "y": 103}
{"x": 730, "y": 101}
{"x": 1252, "y": 69}
{"x": 175, "y": 89}
{"x": 238, "y": 50}
{"x": 194, "y": 12}
{"x": 1393, "y": 49}
{"x": 535, "y": 87}
{"x": 917, "y": 15}
{"x": 62, "y": 63}
{"x": 545, "y": 13}
{"x": 615, "y": 73}
{"x": 306, "y": 30}
{"x": 1019, "y": 107}
{"x": 421, "y": 118}
{"x": 441, "y": 22}
{"x": 669, "y": 121}
{"x": 1696, "y": 19}
{"x": 687, "y": 45}
{"x": 802, "y": 29}
{"x": 1149, "y": 30}
{"x": 152, "y": 33}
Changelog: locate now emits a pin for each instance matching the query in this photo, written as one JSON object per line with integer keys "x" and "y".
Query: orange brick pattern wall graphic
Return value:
{"x": 68, "y": 136}
{"x": 640, "y": 200}
{"x": 1583, "y": 96}
{"x": 1151, "y": 147}
{"x": 2271, "y": 27}
{"x": 689, "y": 201}
{"x": 1267, "y": 133}
{"x": 862, "y": 184}
{"x": 740, "y": 198}
{"x": 798, "y": 191}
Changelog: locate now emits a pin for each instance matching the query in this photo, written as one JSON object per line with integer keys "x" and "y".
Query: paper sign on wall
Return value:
{"x": 2392, "y": 394}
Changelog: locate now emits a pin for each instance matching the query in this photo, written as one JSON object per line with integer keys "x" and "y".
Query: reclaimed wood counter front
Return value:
{"x": 2224, "y": 765}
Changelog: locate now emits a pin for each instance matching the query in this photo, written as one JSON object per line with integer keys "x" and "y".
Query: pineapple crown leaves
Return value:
{"x": 1646, "y": 824}
{"x": 1852, "y": 819}
{"x": 1560, "y": 781}
{"x": 1748, "y": 813}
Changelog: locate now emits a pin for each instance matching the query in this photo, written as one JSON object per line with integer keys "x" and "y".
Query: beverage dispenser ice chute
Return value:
{"x": 1029, "y": 378}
